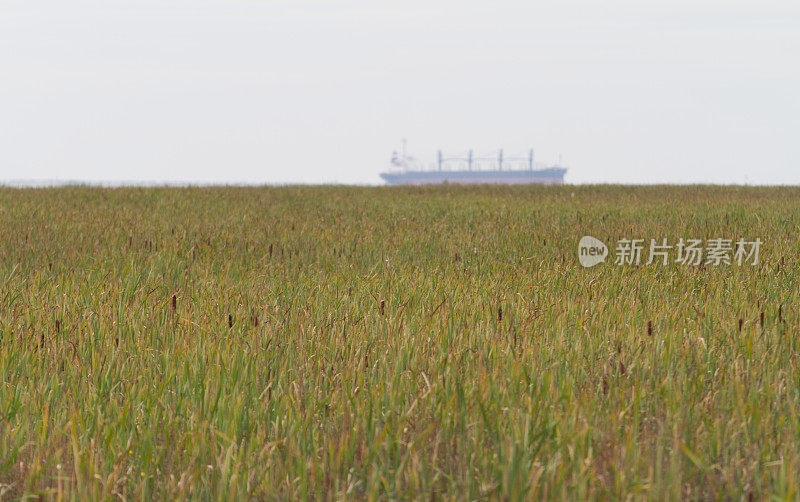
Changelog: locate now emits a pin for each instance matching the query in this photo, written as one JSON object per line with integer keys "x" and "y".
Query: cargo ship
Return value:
{"x": 471, "y": 169}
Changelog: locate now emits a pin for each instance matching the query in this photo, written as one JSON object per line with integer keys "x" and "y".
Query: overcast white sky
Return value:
{"x": 323, "y": 91}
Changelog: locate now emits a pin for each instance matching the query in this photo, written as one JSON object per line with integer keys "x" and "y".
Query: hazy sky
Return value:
{"x": 323, "y": 91}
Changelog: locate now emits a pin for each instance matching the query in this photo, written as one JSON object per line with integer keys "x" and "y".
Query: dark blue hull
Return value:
{"x": 550, "y": 176}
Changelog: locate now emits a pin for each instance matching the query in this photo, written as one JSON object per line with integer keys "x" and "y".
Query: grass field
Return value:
{"x": 383, "y": 343}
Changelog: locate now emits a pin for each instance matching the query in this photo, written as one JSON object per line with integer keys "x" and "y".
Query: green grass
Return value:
{"x": 385, "y": 343}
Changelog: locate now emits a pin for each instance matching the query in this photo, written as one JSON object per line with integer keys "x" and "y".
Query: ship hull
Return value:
{"x": 551, "y": 176}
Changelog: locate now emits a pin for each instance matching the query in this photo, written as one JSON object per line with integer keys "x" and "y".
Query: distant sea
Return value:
{"x": 111, "y": 184}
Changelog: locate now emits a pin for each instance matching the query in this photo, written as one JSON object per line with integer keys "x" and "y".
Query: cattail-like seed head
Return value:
{"x": 649, "y": 328}
{"x": 230, "y": 321}
{"x": 762, "y": 319}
